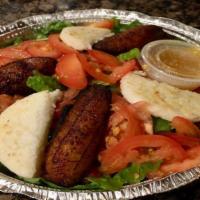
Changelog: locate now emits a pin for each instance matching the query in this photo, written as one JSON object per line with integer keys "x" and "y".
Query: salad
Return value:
{"x": 78, "y": 109}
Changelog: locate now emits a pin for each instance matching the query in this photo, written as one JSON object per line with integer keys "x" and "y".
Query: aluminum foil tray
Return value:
{"x": 25, "y": 26}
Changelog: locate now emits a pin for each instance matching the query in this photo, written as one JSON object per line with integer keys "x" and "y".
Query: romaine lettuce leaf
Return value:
{"x": 161, "y": 125}
{"x": 41, "y": 33}
{"x": 53, "y": 27}
{"x": 39, "y": 82}
{"x": 134, "y": 173}
{"x": 42, "y": 182}
{"x": 133, "y": 53}
{"x": 119, "y": 27}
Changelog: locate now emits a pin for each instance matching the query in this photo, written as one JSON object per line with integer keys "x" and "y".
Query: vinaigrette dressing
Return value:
{"x": 172, "y": 61}
{"x": 181, "y": 61}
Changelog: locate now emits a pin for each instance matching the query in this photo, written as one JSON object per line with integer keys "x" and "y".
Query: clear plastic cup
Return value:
{"x": 172, "y": 61}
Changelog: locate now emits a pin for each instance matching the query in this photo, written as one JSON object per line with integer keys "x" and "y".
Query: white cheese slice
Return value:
{"x": 82, "y": 37}
{"x": 24, "y": 131}
{"x": 164, "y": 101}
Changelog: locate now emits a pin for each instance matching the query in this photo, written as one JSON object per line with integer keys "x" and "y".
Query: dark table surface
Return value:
{"x": 186, "y": 11}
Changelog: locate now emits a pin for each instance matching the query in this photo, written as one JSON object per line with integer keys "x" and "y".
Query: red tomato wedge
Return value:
{"x": 166, "y": 149}
{"x": 56, "y": 43}
{"x": 14, "y": 53}
{"x": 185, "y": 127}
{"x": 70, "y": 72}
{"x": 107, "y": 23}
{"x": 124, "y": 119}
{"x": 184, "y": 140}
{"x": 193, "y": 160}
{"x": 25, "y": 44}
{"x": 104, "y": 58}
{"x": 118, "y": 72}
{"x": 4, "y": 60}
{"x": 135, "y": 125}
{"x": 122, "y": 70}
{"x": 42, "y": 49}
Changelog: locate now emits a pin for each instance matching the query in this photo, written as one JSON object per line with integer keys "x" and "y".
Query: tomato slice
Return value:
{"x": 107, "y": 23}
{"x": 4, "y": 60}
{"x": 14, "y": 53}
{"x": 70, "y": 72}
{"x": 92, "y": 70}
{"x": 56, "y": 43}
{"x": 185, "y": 127}
{"x": 42, "y": 49}
{"x": 184, "y": 140}
{"x": 121, "y": 71}
{"x": 104, "y": 58}
{"x": 193, "y": 160}
{"x": 118, "y": 72}
{"x": 166, "y": 149}
{"x": 25, "y": 44}
{"x": 122, "y": 122}
{"x": 135, "y": 126}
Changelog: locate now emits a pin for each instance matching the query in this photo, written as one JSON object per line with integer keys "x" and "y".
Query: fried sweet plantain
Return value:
{"x": 132, "y": 38}
{"x": 75, "y": 147}
{"x": 45, "y": 65}
{"x": 13, "y": 75}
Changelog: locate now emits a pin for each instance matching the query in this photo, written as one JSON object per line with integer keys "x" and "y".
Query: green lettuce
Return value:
{"x": 42, "y": 182}
{"x": 134, "y": 173}
{"x": 37, "y": 181}
{"x": 17, "y": 40}
{"x": 161, "y": 125}
{"x": 39, "y": 82}
{"x": 133, "y": 53}
{"x": 41, "y": 33}
{"x": 119, "y": 27}
{"x": 53, "y": 27}
{"x": 13, "y": 41}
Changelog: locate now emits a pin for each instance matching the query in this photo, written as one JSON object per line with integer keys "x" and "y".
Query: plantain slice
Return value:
{"x": 132, "y": 38}
{"x": 73, "y": 150}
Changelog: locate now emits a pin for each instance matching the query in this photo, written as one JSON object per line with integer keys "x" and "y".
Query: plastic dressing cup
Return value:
{"x": 172, "y": 61}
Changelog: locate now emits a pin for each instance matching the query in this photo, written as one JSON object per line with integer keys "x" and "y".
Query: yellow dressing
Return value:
{"x": 182, "y": 61}
{"x": 172, "y": 61}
